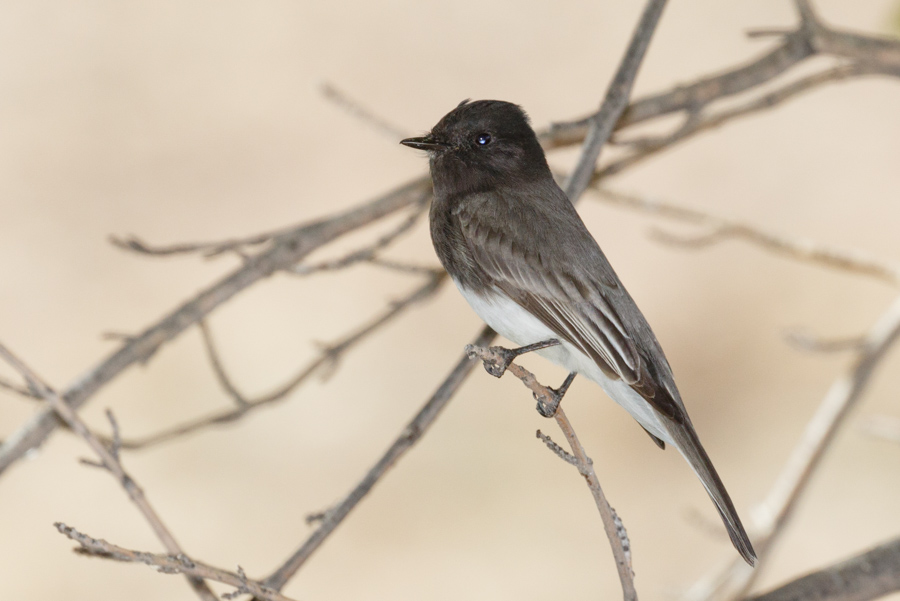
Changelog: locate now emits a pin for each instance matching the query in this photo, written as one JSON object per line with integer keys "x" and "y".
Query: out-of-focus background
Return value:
{"x": 197, "y": 120}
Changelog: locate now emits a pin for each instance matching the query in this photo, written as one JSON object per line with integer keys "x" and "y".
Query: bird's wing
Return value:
{"x": 572, "y": 290}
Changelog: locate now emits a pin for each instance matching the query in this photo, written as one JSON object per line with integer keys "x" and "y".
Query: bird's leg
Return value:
{"x": 506, "y": 356}
{"x": 547, "y": 407}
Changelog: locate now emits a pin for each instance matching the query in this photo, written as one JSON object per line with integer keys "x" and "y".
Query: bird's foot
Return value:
{"x": 500, "y": 364}
{"x": 548, "y": 406}
{"x": 506, "y": 356}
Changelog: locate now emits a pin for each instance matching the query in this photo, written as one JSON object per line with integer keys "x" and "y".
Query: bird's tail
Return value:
{"x": 689, "y": 445}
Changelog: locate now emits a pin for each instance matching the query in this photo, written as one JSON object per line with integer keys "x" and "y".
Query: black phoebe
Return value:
{"x": 524, "y": 260}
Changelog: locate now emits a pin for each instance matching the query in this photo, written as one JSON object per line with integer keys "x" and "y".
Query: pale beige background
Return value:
{"x": 196, "y": 120}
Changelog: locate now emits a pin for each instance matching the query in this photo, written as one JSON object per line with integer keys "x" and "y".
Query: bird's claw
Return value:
{"x": 548, "y": 407}
{"x": 500, "y": 364}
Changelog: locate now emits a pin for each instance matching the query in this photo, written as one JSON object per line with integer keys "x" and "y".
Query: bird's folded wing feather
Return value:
{"x": 572, "y": 290}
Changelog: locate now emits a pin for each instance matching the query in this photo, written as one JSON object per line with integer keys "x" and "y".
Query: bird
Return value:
{"x": 521, "y": 256}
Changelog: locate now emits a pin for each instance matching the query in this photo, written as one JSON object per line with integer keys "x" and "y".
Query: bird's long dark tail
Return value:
{"x": 690, "y": 447}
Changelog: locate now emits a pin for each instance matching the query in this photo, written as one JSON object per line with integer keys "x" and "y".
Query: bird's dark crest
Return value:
{"x": 487, "y": 115}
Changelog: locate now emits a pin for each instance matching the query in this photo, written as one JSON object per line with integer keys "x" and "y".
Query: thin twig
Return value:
{"x": 557, "y": 450}
{"x": 366, "y": 253}
{"x": 805, "y": 341}
{"x": 173, "y": 563}
{"x": 206, "y": 249}
{"x": 615, "y": 530}
{"x": 774, "y": 513}
{"x": 219, "y": 369}
{"x": 356, "y": 109}
{"x": 19, "y": 390}
{"x": 719, "y": 229}
{"x": 403, "y": 267}
{"x": 408, "y": 437}
{"x": 329, "y": 357}
{"x": 110, "y": 461}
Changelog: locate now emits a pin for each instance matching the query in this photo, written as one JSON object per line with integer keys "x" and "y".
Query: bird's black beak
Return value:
{"x": 426, "y": 143}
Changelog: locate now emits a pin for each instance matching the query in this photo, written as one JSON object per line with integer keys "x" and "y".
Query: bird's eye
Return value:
{"x": 483, "y": 139}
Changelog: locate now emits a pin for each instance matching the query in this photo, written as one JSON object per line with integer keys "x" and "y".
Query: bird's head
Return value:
{"x": 485, "y": 141}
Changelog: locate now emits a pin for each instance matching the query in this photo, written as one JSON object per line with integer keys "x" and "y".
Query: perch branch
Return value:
{"x": 173, "y": 563}
{"x": 110, "y": 462}
{"x": 615, "y": 531}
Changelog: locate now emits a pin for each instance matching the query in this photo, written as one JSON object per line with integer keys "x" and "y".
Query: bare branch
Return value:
{"x": 404, "y": 267}
{"x": 408, "y": 437}
{"x": 615, "y": 530}
{"x": 867, "y": 576}
{"x": 171, "y": 564}
{"x": 110, "y": 462}
{"x": 693, "y": 96}
{"x": 557, "y": 450}
{"x": 218, "y": 368}
{"x": 719, "y": 228}
{"x": 329, "y": 357}
{"x": 285, "y": 252}
{"x": 774, "y": 513}
{"x": 601, "y": 124}
{"x": 697, "y": 122}
{"x": 879, "y": 55}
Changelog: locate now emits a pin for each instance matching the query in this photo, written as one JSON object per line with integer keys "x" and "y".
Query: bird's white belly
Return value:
{"x": 513, "y": 322}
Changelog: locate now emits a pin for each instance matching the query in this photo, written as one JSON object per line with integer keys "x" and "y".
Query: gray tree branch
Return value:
{"x": 869, "y": 575}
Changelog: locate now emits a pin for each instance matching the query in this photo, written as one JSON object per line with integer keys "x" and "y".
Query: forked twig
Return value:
{"x": 110, "y": 462}
{"x": 328, "y": 358}
{"x": 172, "y": 564}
